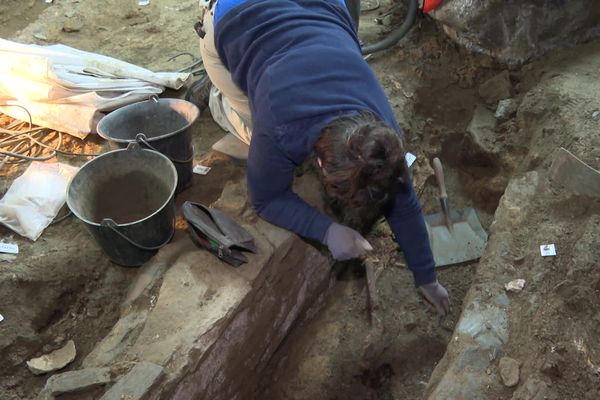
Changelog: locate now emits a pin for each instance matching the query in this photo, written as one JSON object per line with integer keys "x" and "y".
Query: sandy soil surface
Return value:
{"x": 63, "y": 287}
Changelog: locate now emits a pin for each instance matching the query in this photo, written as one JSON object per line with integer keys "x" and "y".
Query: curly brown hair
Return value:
{"x": 362, "y": 160}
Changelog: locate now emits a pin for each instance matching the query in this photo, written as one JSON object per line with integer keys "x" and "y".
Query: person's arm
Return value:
{"x": 408, "y": 225}
{"x": 270, "y": 177}
{"x": 406, "y": 221}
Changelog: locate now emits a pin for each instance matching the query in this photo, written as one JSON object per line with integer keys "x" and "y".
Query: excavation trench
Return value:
{"x": 261, "y": 332}
{"x": 287, "y": 325}
{"x": 340, "y": 354}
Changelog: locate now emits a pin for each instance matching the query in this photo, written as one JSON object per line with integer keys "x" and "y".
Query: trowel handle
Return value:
{"x": 439, "y": 176}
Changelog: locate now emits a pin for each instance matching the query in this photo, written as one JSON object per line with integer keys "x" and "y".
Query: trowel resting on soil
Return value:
{"x": 456, "y": 236}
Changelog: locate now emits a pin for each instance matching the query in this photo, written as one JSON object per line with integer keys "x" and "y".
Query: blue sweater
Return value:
{"x": 300, "y": 64}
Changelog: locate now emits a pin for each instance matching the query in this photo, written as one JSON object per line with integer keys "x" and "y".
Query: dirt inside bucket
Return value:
{"x": 128, "y": 198}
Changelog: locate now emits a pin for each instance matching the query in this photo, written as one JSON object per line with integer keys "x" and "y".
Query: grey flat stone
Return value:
{"x": 116, "y": 343}
{"x": 136, "y": 383}
{"x": 77, "y": 381}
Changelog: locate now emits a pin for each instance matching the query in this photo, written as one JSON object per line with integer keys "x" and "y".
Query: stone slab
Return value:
{"x": 77, "y": 381}
{"x": 138, "y": 381}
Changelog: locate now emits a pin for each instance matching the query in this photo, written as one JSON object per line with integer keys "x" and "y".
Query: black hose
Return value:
{"x": 353, "y": 7}
{"x": 396, "y": 35}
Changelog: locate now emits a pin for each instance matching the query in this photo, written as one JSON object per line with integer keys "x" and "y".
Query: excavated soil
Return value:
{"x": 63, "y": 287}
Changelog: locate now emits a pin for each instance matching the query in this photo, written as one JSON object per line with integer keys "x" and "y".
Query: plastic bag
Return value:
{"x": 34, "y": 198}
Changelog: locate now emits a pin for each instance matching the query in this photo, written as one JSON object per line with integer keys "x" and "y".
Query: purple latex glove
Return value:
{"x": 345, "y": 243}
{"x": 436, "y": 295}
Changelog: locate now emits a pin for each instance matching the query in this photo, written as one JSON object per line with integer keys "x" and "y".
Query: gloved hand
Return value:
{"x": 437, "y": 296}
{"x": 345, "y": 243}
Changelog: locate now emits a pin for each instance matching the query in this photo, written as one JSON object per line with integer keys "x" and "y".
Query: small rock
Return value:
{"x": 509, "y": 371}
{"x": 54, "y": 361}
{"x": 77, "y": 381}
{"x": 596, "y": 115}
{"x": 136, "y": 383}
{"x": 496, "y": 89}
{"x": 506, "y": 109}
{"x": 41, "y": 36}
{"x": 481, "y": 129}
{"x": 515, "y": 285}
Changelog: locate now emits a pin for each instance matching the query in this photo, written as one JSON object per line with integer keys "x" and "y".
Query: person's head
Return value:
{"x": 362, "y": 161}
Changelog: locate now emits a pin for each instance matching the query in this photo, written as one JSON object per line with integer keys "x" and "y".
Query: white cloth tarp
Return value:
{"x": 68, "y": 89}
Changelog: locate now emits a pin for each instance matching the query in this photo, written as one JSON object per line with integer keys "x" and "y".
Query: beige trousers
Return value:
{"x": 228, "y": 104}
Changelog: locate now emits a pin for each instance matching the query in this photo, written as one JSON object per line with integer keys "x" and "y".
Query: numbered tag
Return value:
{"x": 201, "y": 169}
{"x": 548, "y": 250}
{"x": 9, "y": 248}
{"x": 410, "y": 159}
{"x": 1, "y": 318}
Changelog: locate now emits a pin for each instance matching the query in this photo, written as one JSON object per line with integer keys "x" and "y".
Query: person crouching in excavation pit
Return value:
{"x": 287, "y": 78}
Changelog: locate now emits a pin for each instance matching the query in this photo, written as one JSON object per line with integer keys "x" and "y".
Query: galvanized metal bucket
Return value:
{"x": 126, "y": 200}
{"x": 163, "y": 125}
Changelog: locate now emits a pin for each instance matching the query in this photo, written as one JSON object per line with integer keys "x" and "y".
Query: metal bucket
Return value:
{"x": 126, "y": 200}
{"x": 158, "y": 124}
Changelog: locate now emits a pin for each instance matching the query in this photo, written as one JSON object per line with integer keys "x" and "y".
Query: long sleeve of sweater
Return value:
{"x": 408, "y": 225}
{"x": 270, "y": 177}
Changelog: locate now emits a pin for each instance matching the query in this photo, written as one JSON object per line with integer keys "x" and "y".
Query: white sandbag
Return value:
{"x": 35, "y": 198}
{"x": 82, "y": 119}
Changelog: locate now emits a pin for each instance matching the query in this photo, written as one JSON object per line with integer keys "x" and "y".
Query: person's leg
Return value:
{"x": 228, "y": 104}
{"x": 354, "y": 8}
{"x": 227, "y": 117}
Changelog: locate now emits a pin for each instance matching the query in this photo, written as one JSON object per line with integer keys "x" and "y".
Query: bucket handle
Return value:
{"x": 112, "y": 225}
{"x": 142, "y": 139}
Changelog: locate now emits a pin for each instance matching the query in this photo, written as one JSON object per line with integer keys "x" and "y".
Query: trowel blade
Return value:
{"x": 465, "y": 242}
